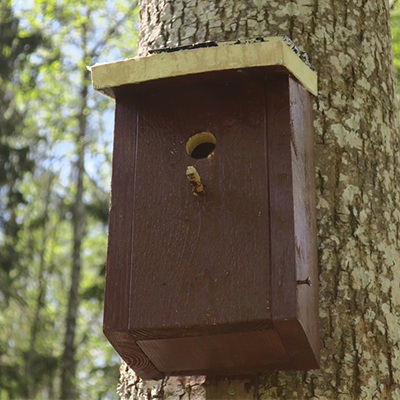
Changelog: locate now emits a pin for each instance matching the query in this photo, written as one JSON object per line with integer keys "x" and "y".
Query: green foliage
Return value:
{"x": 42, "y": 81}
{"x": 15, "y": 161}
{"x": 395, "y": 25}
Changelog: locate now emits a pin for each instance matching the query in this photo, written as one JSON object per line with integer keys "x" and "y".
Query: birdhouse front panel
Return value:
{"x": 212, "y": 256}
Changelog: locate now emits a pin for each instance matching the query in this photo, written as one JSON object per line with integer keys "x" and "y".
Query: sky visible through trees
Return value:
{"x": 54, "y": 131}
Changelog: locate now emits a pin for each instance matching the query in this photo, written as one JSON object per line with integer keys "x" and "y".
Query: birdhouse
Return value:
{"x": 212, "y": 257}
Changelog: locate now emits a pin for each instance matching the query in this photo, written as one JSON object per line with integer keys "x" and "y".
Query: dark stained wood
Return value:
{"x": 207, "y": 78}
{"x": 132, "y": 354}
{"x": 279, "y": 170}
{"x": 119, "y": 263}
{"x": 233, "y": 353}
{"x": 202, "y": 255}
{"x": 208, "y": 284}
{"x": 304, "y": 195}
{"x": 293, "y": 219}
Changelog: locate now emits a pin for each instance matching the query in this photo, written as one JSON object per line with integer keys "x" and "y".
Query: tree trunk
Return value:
{"x": 357, "y": 172}
{"x": 68, "y": 371}
{"x": 29, "y": 388}
{"x": 68, "y": 358}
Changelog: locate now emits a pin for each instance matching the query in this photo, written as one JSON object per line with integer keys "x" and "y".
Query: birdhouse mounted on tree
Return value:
{"x": 212, "y": 258}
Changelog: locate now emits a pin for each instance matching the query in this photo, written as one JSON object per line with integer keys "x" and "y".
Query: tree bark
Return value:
{"x": 357, "y": 172}
{"x": 68, "y": 371}
{"x": 28, "y": 390}
{"x": 68, "y": 357}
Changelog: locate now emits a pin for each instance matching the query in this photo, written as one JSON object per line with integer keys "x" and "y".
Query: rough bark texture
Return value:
{"x": 357, "y": 170}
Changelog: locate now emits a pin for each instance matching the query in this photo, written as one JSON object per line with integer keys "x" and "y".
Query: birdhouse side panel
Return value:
{"x": 293, "y": 242}
{"x": 119, "y": 262}
{"x": 281, "y": 197}
{"x": 304, "y": 194}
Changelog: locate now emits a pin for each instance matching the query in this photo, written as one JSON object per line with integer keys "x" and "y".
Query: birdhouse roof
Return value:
{"x": 258, "y": 55}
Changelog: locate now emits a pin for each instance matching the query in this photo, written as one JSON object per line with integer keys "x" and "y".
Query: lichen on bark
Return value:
{"x": 357, "y": 174}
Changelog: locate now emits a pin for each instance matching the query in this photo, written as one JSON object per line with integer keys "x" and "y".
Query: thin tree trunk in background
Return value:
{"x": 40, "y": 301}
{"x": 68, "y": 371}
{"x": 357, "y": 171}
{"x": 68, "y": 359}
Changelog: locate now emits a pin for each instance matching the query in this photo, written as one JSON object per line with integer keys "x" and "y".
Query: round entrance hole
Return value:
{"x": 201, "y": 145}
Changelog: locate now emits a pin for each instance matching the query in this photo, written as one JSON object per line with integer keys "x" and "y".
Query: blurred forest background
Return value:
{"x": 55, "y": 168}
{"x": 55, "y": 163}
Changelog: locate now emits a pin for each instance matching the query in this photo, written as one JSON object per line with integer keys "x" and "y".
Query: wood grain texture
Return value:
{"x": 208, "y": 284}
{"x": 119, "y": 263}
{"x": 281, "y": 197}
{"x": 304, "y": 196}
{"x": 132, "y": 354}
{"x": 273, "y": 51}
{"x": 202, "y": 256}
{"x": 293, "y": 220}
{"x": 238, "y": 353}
{"x": 357, "y": 164}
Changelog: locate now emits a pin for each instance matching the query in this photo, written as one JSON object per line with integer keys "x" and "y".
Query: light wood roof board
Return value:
{"x": 272, "y": 51}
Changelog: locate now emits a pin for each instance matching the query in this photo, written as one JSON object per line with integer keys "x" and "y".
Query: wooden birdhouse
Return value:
{"x": 212, "y": 257}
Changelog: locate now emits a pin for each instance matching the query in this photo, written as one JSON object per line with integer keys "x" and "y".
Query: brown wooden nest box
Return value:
{"x": 212, "y": 256}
